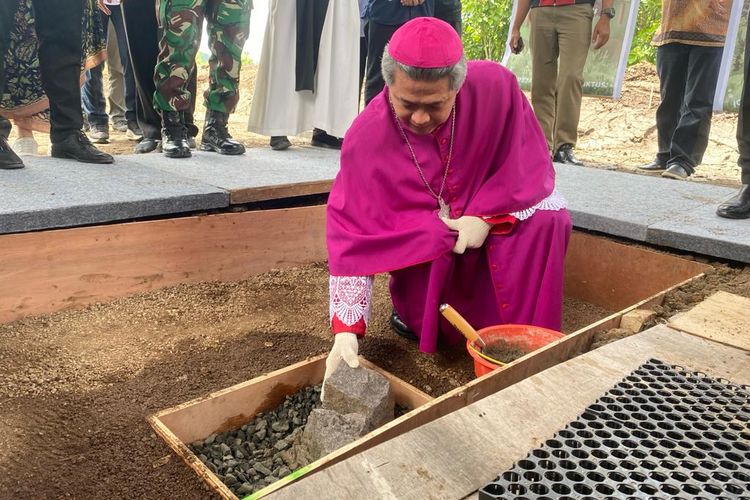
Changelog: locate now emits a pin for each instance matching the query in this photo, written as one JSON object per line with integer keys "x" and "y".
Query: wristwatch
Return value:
{"x": 609, "y": 12}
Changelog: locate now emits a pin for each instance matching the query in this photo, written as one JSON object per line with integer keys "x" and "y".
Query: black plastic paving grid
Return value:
{"x": 661, "y": 432}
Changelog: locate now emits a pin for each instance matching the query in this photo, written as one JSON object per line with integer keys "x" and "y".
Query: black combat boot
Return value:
{"x": 174, "y": 135}
{"x": 216, "y": 136}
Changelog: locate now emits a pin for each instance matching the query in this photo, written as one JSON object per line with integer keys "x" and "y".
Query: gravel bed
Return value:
{"x": 252, "y": 457}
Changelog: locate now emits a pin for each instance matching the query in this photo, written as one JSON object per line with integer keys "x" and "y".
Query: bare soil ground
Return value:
{"x": 76, "y": 386}
{"x": 617, "y": 135}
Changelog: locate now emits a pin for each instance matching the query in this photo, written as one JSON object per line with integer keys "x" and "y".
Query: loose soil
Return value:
{"x": 76, "y": 386}
{"x": 615, "y": 135}
{"x": 503, "y": 351}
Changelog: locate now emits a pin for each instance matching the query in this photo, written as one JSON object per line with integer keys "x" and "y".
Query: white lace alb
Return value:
{"x": 350, "y": 298}
{"x": 554, "y": 202}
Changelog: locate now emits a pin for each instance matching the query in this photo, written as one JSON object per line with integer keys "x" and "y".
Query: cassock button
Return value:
{"x": 458, "y": 213}
{"x": 446, "y": 157}
{"x": 444, "y": 141}
{"x": 493, "y": 267}
{"x": 504, "y": 306}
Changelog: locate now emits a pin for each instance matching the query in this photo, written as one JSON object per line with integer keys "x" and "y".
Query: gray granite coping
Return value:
{"x": 651, "y": 209}
{"x": 257, "y": 168}
{"x": 52, "y": 193}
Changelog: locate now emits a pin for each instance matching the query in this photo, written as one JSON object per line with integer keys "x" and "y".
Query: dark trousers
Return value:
{"x": 450, "y": 12}
{"x": 92, "y": 97}
{"x": 687, "y": 79}
{"x": 743, "y": 119}
{"x": 92, "y": 94}
{"x": 58, "y": 28}
{"x": 377, "y": 37}
{"x": 142, "y": 29}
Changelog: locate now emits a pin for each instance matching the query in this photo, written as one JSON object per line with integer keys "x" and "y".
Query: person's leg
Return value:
{"x": 180, "y": 23}
{"x": 128, "y": 79}
{"x": 8, "y": 9}
{"x": 574, "y": 38}
{"x": 738, "y": 207}
{"x": 58, "y": 27}
{"x": 228, "y": 26}
{"x": 8, "y": 159}
{"x": 671, "y": 66}
{"x": 378, "y": 36}
{"x": 141, "y": 29}
{"x": 690, "y": 136}
{"x": 94, "y": 105}
{"x": 116, "y": 76}
{"x": 544, "y": 53}
{"x": 25, "y": 144}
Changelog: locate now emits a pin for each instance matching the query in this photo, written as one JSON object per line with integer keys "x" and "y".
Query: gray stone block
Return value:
{"x": 702, "y": 231}
{"x": 258, "y": 167}
{"x": 625, "y": 204}
{"x": 52, "y": 193}
{"x": 362, "y": 391}
{"x": 327, "y": 431}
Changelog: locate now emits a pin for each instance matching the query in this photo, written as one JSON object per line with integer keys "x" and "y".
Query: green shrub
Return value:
{"x": 485, "y": 28}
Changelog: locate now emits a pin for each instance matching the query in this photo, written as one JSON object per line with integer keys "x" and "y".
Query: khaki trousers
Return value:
{"x": 560, "y": 39}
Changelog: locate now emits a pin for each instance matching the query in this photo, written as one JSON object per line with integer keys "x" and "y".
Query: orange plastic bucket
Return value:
{"x": 527, "y": 337}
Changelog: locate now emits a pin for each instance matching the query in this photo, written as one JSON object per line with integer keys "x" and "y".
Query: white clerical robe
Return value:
{"x": 277, "y": 109}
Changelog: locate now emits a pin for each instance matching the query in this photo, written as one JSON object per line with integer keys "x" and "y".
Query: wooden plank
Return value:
{"x": 723, "y": 317}
{"x": 535, "y": 362}
{"x": 249, "y": 195}
{"x": 614, "y": 276}
{"x": 52, "y": 270}
{"x": 230, "y": 408}
{"x": 454, "y": 456}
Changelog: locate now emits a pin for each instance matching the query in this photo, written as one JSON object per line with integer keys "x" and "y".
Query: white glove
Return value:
{"x": 346, "y": 347}
{"x": 472, "y": 231}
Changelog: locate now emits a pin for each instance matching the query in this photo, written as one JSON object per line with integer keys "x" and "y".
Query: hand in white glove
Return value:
{"x": 346, "y": 347}
{"x": 472, "y": 231}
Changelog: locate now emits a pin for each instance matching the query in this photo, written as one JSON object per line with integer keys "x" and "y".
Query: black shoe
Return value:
{"x": 9, "y": 160}
{"x": 78, "y": 147}
{"x": 174, "y": 136}
{"x": 5, "y": 127}
{"x": 147, "y": 145}
{"x": 400, "y": 327}
{"x": 191, "y": 141}
{"x": 654, "y": 166}
{"x": 321, "y": 139}
{"x": 678, "y": 171}
{"x": 280, "y": 143}
{"x": 738, "y": 207}
{"x": 216, "y": 136}
{"x": 565, "y": 155}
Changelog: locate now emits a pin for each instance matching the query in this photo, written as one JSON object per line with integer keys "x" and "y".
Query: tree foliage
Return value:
{"x": 649, "y": 17}
{"x": 486, "y": 24}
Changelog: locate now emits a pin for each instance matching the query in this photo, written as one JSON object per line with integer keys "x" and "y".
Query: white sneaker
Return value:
{"x": 26, "y": 146}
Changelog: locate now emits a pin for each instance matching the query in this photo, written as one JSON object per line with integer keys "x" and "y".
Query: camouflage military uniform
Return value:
{"x": 181, "y": 24}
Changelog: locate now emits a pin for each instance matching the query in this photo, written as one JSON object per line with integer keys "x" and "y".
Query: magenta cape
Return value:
{"x": 381, "y": 218}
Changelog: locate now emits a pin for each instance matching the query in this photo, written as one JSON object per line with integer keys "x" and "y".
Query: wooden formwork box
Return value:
{"x": 53, "y": 270}
{"x": 233, "y": 407}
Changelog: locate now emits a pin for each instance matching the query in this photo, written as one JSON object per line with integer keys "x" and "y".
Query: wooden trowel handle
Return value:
{"x": 461, "y": 324}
